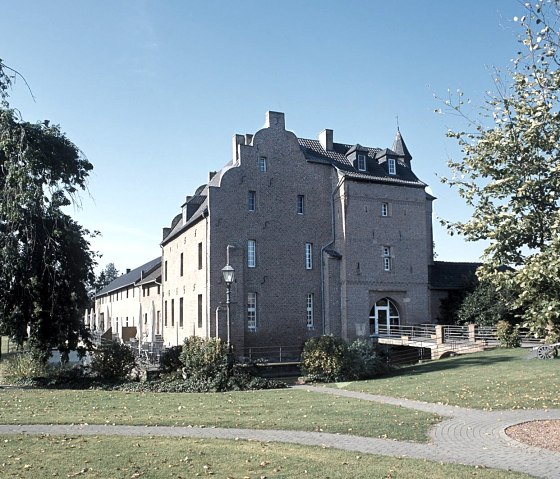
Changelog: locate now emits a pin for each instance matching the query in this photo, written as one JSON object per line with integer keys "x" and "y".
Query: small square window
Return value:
{"x": 392, "y": 166}
{"x": 262, "y": 163}
{"x": 362, "y": 162}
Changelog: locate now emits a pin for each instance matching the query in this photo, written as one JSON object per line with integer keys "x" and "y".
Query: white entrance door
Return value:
{"x": 383, "y": 316}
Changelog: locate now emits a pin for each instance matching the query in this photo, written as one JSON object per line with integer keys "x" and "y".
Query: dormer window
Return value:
{"x": 361, "y": 162}
{"x": 392, "y": 166}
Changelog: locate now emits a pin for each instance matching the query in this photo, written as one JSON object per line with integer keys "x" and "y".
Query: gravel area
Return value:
{"x": 545, "y": 434}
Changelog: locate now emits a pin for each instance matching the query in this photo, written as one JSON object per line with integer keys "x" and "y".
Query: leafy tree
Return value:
{"x": 486, "y": 306}
{"x": 510, "y": 173}
{"x": 45, "y": 256}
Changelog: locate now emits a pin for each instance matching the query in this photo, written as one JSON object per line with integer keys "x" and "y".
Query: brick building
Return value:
{"x": 324, "y": 238}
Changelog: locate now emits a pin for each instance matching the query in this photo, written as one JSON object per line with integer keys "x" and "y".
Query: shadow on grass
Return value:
{"x": 452, "y": 363}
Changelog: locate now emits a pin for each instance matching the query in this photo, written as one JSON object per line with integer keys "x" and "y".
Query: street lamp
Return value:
{"x": 229, "y": 277}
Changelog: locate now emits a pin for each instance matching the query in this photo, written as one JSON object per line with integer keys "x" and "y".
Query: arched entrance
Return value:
{"x": 382, "y": 316}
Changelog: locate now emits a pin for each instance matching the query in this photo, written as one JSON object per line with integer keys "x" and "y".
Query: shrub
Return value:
{"x": 112, "y": 361}
{"x": 205, "y": 358}
{"x": 22, "y": 366}
{"x": 508, "y": 335}
{"x": 170, "y": 359}
{"x": 325, "y": 358}
{"x": 366, "y": 362}
{"x": 328, "y": 358}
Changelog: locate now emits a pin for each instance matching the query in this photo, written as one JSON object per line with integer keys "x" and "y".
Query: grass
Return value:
{"x": 495, "y": 379}
{"x": 118, "y": 457}
{"x": 276, "y": 409}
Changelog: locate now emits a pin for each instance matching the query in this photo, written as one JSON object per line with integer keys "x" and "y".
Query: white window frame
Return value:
{"x": 252, "y": 311}
{"x": 251, "y": 200}
{"x": 262, "y": 163}
{"x": 309, "y": 310}
{"x": 300, "y": 204}
{"x": 387, "y": 258}
{"x": 251, "y": 253}
{"x": 384, "y": 209}
{"x": 361, "y": 162}
{"x": 392, "y": 166}
{"x": 308, "y": 255}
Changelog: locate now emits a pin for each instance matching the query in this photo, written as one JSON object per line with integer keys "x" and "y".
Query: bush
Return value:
{"x": 508, "y": 335}
{"x": 170, "y": 359}
{"x": 22, "y": 366}
{"x": 112, "y": 361}
{"x": 366, "y": 362}
{"x": 325, "y": 358}
{"x": 328, "y": 359}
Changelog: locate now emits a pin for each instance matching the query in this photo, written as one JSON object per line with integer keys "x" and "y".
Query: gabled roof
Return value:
{"x": 337, "y": 157}
{"x": 131, "y": 278}
{"x": 154, "y": 276}
{"x": 451, "y": 275}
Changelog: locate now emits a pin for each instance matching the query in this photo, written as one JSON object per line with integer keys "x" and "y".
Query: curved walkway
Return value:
{"x": 468, "y": 436}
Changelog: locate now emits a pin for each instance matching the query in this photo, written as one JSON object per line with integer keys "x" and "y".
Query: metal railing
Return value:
{"x": 417, "y": 331}
{"x": 272, "y": 354}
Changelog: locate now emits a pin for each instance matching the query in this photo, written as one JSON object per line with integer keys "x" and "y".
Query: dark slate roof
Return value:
{"x": 154, "y": 275}
{"x": 399, "y": 147}
{"x": 313, "y": 151}
{"x": 131, "y": 278}
{"x": 451, "y": 275}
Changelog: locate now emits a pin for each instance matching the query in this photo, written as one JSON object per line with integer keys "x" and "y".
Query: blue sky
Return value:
{"x": 153, "y": 91}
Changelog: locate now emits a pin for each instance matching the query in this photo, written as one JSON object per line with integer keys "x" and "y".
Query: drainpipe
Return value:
{"x": 333, "y": 237}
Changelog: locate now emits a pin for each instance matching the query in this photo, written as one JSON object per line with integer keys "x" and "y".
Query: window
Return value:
{"x": 308, "y": 255}
{"x": 392, "y": 166}
{"x": 309, "y": 307}
{"x": 386, "y": 258}
{"x": 300, "y": 204}
{"x": 262, "y": 163}
{"x": 165, "y": 271}
{"x": 165, "y": 314}
{"x": 252, "y": 311}
{"x": 181, "y": 266}
{"x": 362, "y": 162}
{"x": 147, "y": 291}
{"x": 251, "y": 253}
{"x": 172, "y": 312}
{"x": 200, "y": 311}
{"x": 251, "y": 200}
{"x": 145, "y": 318}
{"x": 180, "y": 312}
{"x": 384, "y": 209}
{"x": 199, "y": 255}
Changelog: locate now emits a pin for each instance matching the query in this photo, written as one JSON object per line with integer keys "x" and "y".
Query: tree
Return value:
{"x": 45, "y": 256}
{"x": 109, "y": 273}
{"x": 510, "y": 173}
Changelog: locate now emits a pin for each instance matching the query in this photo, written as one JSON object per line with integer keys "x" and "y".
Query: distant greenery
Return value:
{"x": 156, "y": 457}
{"x": 496, "y": 379}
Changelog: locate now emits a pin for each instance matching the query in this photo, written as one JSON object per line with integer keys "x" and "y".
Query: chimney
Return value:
{"x": 326, "y": 140}
{"x": 166, "y": 232}
{"x": 237, "y": 140}
{"x": 211, "y": 175}
{"x": 127, "y": 270}
{"x": 275, "y": 119}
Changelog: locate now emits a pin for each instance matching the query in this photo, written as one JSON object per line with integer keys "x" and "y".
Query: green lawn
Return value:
{"x": 495, "y": 379}
{"x": 277, "y": 409}
{"x": 154, "y": 458}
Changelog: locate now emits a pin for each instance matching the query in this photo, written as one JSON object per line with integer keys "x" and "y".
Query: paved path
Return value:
{"x": 469, "y": 436}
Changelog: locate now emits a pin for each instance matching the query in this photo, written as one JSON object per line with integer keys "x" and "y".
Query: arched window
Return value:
{"x": 383, "y": 316}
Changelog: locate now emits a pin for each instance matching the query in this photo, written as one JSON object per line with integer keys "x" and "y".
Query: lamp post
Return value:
{"x": 229, "y": 277}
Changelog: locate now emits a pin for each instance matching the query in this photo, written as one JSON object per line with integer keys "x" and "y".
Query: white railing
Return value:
{"x": 416, "y": 331}
{"x": 272, "y": 354}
